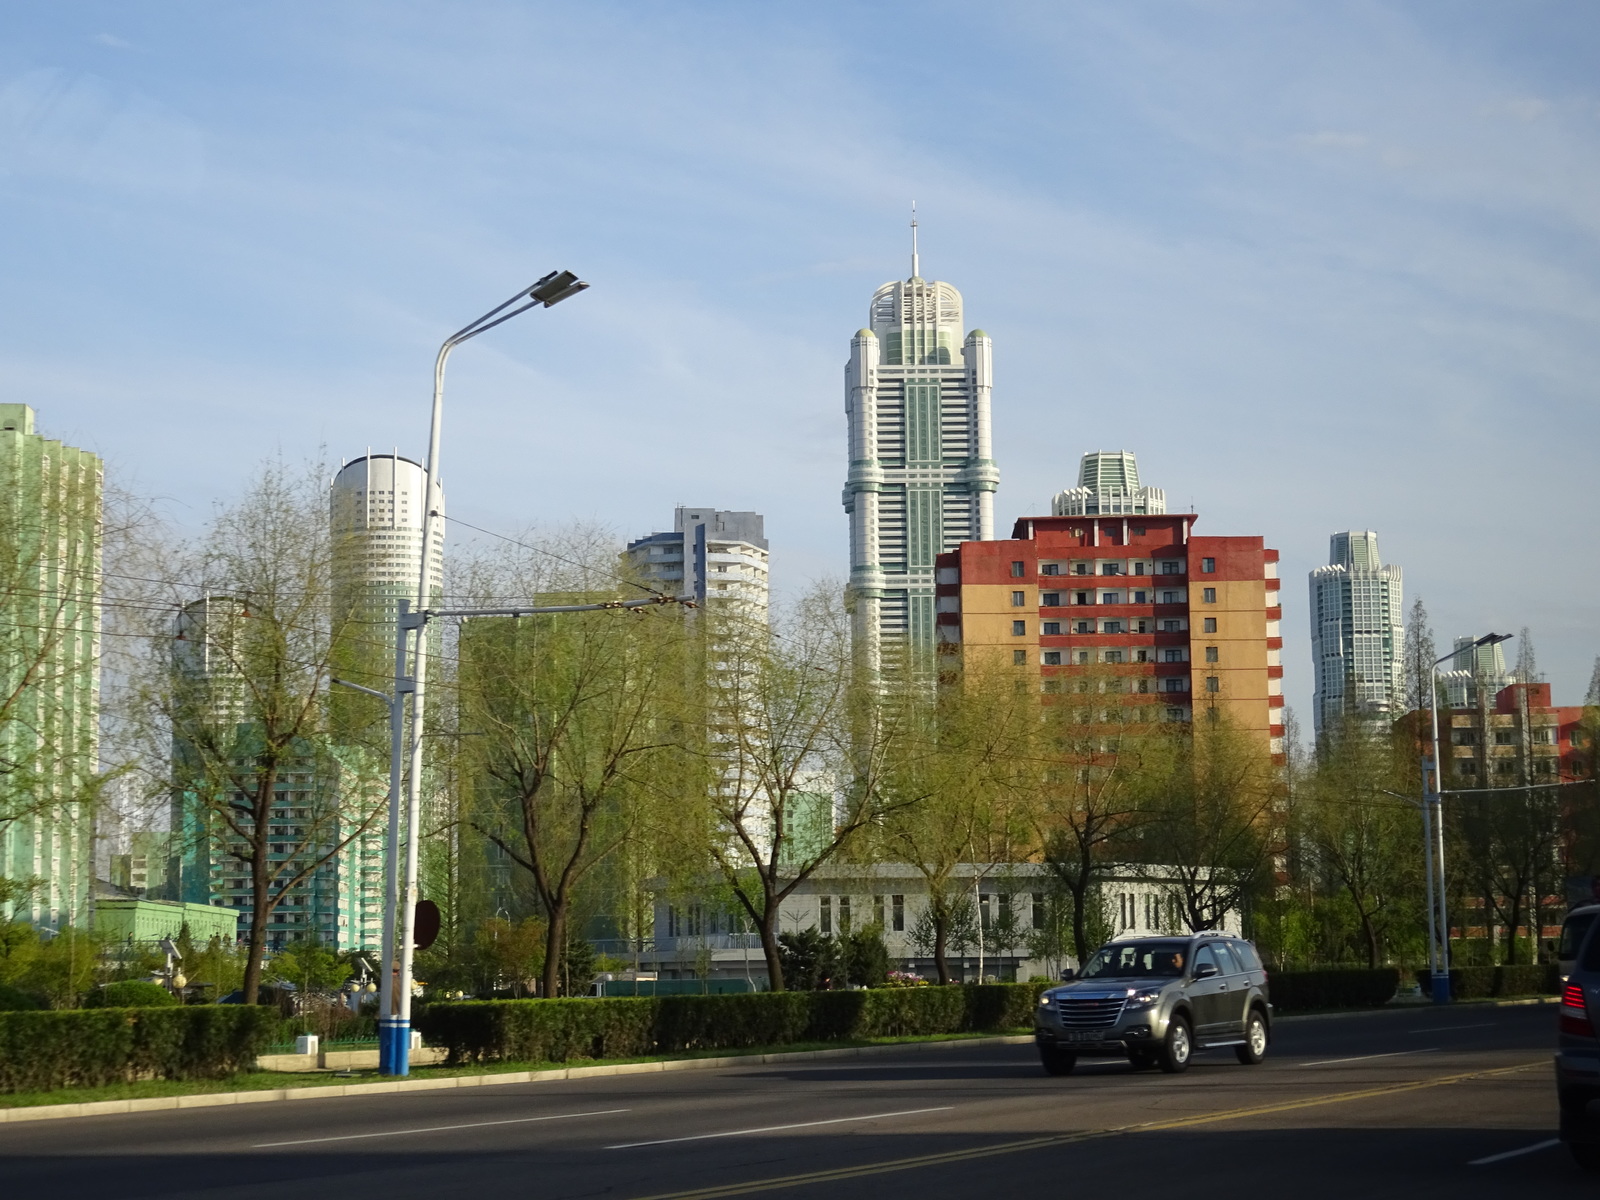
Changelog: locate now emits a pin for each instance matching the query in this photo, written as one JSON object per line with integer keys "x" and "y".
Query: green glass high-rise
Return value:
{"x": 50, "y": 535}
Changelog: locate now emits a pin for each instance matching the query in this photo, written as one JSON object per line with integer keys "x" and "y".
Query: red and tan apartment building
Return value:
{"x": 1165, "y": 622}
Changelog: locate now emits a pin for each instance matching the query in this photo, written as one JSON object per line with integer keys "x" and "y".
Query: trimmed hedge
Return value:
{"x": 1480, "y": 983}
{"x": 130, "y": 993}
{"x": 629, "y": 1027}
{"x": 40, "y": 1051}
{"x": 1334, "y": 987}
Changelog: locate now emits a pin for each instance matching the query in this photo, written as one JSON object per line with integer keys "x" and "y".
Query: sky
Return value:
{"x": 1322, "y": 266}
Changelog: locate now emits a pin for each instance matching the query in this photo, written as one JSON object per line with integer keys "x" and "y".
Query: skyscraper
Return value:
{"x": 922, "y": 474}
{"x": 50, "y": 496}
{"x": 1108, "y": 485}
{"x": 1357, "y": 640}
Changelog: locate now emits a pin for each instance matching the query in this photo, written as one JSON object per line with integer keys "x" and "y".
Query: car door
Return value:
{"x": 1207, "y": 995}
{"x": 1234, "y": 995}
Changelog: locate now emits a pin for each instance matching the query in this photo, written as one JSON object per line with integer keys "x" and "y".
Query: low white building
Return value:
{"x": 1022, "y": 927}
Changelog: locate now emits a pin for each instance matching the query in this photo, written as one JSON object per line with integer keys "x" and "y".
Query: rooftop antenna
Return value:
{"x": 916, "y": 268}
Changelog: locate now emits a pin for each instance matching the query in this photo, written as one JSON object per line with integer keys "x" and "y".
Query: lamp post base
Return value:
{"x": 394, "y": 1046}
{"x": 1441, "y": 987}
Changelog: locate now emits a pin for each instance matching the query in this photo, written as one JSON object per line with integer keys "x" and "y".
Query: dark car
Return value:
{"x": 1578, "y": 1052}
{"x": 1155, "y": 1001}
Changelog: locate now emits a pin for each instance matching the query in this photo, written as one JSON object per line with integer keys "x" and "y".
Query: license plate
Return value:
{"x": 1085, "y": 1035}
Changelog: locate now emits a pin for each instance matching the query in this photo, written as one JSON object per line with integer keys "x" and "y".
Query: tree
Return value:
{"x": 575, "y": 732}
{"x": 1527, "y": 670}
{"x": 233, "y": 703}
{"x": 1592, "y": 695}
{"x": 1420, "y": 654}
{"x": 1362, "y": 838}
{"x": 794, "y": 739}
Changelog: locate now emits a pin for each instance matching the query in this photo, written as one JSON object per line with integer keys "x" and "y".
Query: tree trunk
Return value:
{"x": 1370, "y": 935}
{"x": 769, "y": 946}
{"x": 941, "y": 956}
{"x": 260, "y": 909}
{"x": 555, "y": 947}
{"x": 1079, "y": 887}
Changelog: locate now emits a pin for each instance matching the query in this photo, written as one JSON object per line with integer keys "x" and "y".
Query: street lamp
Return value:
{"x": 394, "y": 1011}
{"x": 1433, "y": 835}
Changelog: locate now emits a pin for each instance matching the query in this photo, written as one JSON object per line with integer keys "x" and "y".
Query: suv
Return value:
{"x": 1578, "y": 1047}
{"x": 1156, "y": 1000}
{"x": 1572, "y": 931}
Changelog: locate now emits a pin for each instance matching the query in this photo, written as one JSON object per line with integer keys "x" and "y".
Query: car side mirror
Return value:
{"x": 1068, "y": 973}
{"x": 1205, "y": 970}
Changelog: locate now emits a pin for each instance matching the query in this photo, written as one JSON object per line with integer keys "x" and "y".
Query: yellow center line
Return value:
{"x": 1064, "y": 1139}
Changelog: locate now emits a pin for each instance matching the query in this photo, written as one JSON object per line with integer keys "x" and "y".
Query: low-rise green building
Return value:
{"x": 146, "y": 922}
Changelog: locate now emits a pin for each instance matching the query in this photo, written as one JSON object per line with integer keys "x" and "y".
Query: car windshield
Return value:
{"x": 1137, "y": 960}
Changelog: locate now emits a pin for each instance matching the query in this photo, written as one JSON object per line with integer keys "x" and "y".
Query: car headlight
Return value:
{"x": 1046, "y": 1000}
{"x": 1143, "y": 999}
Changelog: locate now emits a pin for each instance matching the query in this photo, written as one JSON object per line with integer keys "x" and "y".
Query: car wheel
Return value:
{"x": 1255, "y": 1040}
{"x": 1176, "y": 1047}
{"x": 1057, "y": 1062}
{"x": 1585, "y": 1154}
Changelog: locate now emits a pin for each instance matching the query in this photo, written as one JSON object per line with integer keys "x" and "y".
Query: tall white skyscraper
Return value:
{"x": 1357, "y": 638}
{"x": 922, "y": 474}
{"x": 714, "y": 556}
{"x": 1108, "y": 485}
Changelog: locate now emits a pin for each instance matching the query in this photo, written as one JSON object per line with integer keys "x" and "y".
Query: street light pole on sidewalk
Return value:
{"x": 394, "y": 1015}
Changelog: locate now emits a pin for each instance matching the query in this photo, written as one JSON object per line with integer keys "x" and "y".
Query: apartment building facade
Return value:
{"x": 1169, "y": 621}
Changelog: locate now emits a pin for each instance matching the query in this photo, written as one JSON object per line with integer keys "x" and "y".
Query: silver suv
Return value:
{"x": 1156, "y": 1000}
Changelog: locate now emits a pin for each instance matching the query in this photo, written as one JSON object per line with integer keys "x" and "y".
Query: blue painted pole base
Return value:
{"x": 394, "y": 1046}
{"x": 1441, "y": 987}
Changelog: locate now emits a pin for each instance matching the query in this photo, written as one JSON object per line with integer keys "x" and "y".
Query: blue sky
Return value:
{"x": 1322, "y": 265}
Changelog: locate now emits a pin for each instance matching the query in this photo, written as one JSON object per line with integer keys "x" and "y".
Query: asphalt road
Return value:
{"x": 1412, "y": 1103}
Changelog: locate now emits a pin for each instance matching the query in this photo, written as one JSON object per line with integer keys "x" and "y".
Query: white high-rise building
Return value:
{"x": 922, "y": 474}
{"x": 1476, "y": 675}
{"x": 1357, "y": 636}
{"x": 711, "y": 555}
{"x": 1108, "y": 485}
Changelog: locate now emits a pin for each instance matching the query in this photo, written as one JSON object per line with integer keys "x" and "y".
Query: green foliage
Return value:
{"x": 1481, "y": 983}
{"x": 865, "y": 957}
{"x": 561, "y": 1030}
{"x": 130, "y": 993}
{"x": 16, "y": 1000}
{"x": 310, "y": 966}
{"x": 810, "y": 960}
{"x": 93, "y": 1047}
{"x": 58, "y": 969}
{"x": 1292, "y": 991}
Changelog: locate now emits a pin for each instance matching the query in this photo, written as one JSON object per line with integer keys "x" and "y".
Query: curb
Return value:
{"x": 105, "y": 1108}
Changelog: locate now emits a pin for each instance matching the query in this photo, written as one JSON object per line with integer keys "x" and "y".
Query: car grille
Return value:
{"x": 1082, "y": 1012}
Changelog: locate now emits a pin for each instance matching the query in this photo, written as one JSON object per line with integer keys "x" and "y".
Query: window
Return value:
{"x": 1211, "y": 654}
{"x": 1172, "y": 655}
{"x": 1038, "y": 910}
{"x": 1139, "y": 597}
{"x": 1052, "y": 658}
{"x": 1209, "y": 596}
{"x": 1505, "y": 737}
{"x": 1211, "y": 625}
{"x": 1138, "y": 568}
{"x": 1083, "y": 658}
{"x": 1019, "y": 628}
{"x": 1213, "y": 684}
{"x": 1467, "y": 766}
{"x": 1111, "y": 627}
{"x": 1018, "y": 599}
{"x": 1017, "y": 570}
{"x": 1174, "y": 714}
{"x": 1081, "y": 598}
{"x": 1051, "y": 569}
{"x": 1051, "y": 629}
{"x": 877, "y": 911}
{"x": 1051, "y": 600}
{"x": 1111, "y": 569}
{"x": 1019, "y": 658}
{"x": 1144, "y": 684}
{"x": 1171, "y": 626}
{"x": 1110, "y": 597}
{"x": 1081, "y": 568}
{"x": 1208, "y": 565}
{"x": 1171, "y": 598}
{"x": 1174, "y": 685}
{"x": 844, "y": 914}
{"x": 897, "y": 906}
{"x": 1085, "y": 627}
{"x": 1141, "y": 627}
{"x": 1141, "y": 656}
{"x": 826, "y": 923}
{"x": 1463, "y": 737}
{"x": 1169, "y": 568}
{"x": 1113, "y": 656}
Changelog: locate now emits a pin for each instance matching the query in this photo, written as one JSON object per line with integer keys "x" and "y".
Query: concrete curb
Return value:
{"x": 105, "y": 1108}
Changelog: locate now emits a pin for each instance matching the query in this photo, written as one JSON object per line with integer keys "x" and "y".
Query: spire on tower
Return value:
{"x": 916, "y": 268}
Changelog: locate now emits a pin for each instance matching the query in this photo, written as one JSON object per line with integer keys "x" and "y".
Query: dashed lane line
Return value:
{"x": 353, "y": 1137}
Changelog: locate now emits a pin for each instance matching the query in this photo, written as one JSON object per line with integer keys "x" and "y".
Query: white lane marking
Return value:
{"x": 1453, "y": 1028}
{"x": 1494, "y": 1158}
{"x": 1328, "y": 1062}
{"x": 701, "y": 1137}
{"x": 352, "y": 1137}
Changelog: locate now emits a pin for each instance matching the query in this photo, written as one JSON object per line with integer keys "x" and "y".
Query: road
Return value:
{"x": 1407, "y": 1104}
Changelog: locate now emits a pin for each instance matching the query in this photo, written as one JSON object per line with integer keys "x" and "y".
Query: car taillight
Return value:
{"x": 1575, "y": 1012}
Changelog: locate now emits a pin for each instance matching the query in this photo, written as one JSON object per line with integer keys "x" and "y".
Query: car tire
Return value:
{"x": 1177, "y": 1048}
{"x": 1585, "y": 1154}
{"x": 1255, "y": 1039}
{"x": 1056, "y": 1061}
